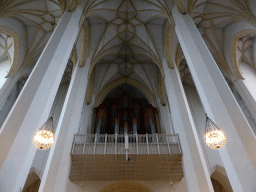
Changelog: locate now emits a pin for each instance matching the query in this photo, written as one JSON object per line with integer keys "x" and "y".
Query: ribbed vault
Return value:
{"x": 39, "y": 18}
{"x": 242, "y": 51}
{"x": 7, "y": 51}
{"x": 112, "y": 85}
{"x": 212, "y": 17}
{"x": 126, "y": 43}
{"x": 128, "y": 31}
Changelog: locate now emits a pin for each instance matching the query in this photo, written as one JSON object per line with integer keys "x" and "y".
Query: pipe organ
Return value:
{"x": 125, "y": 115}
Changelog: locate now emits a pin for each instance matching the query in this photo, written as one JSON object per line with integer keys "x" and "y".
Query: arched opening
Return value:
{"x": 246, "y": 61}
{"x": 220, "y": 180}
{"x": 125, "y": 110}
{"x": 117, "y": 82}
{"x": 32, "y": 183}
{"x": 217, "y": 186}
{"x": 6, "y": 55}
{"x": 243, "y": 46}
{"x": 126, "y": 187}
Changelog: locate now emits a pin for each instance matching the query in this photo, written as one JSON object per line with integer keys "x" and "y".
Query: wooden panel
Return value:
{"x": 115, "y": 167}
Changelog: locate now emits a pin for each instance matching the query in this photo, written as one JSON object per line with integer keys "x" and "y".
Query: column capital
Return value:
{"x": 181, "y": 6}
{"x": 73, "y": 4}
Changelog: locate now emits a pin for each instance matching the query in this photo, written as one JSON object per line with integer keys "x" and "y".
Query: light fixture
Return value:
{"x": 45, "y": 137}
{"x": 214, "y": 137}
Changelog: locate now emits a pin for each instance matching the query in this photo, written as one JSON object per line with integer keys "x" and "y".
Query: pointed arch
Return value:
{"x": 233, "y": 51}
{"x": 117, "y": 82}
{"x": 16, "y": 55}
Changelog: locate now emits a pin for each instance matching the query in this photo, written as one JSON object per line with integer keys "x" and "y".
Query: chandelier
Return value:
{"x": 44, "y": 137}
{"x": 214, "y": 137}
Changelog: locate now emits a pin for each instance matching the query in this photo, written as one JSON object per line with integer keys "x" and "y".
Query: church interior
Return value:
{"x": 127, "y": 96}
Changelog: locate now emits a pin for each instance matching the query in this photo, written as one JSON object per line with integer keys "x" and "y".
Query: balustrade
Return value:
{"x": 121, "y": 157}
{"x": 137, "y": 144}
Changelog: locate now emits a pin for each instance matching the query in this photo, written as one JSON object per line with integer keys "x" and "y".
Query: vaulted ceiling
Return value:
{"x": 212, "y": 19}
{"x": 39, "y": 19}
{"x": 129, "y": 32}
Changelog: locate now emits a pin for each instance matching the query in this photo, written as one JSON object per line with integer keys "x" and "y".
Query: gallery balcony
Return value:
{"x": 126, "y": 157}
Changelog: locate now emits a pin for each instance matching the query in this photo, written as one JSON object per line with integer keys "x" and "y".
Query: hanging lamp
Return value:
{"x": 214, "y": 137}
{"x": 45, "y": 137}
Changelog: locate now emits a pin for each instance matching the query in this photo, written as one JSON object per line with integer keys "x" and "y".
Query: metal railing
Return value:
{"x": 126, "y": 144}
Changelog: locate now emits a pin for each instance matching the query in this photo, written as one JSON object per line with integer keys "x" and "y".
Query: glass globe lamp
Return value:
{"x": 45, "y": 137}
{"x": 214, "y": 137}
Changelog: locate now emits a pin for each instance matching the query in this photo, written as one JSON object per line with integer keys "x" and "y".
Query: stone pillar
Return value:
{"x": 40, "y": 158}
{"x": 34, "y": 103}
{"x": 134, "y": 125}
{"x": 113, "y": 116}
{"x": 56, "y": 173}
{"x": 137, "y": 114}
{"x": 6, "y": 90}
{"x": 247, "y": 97}
{"x": 126, "y": 127}
{"x": 150, "y": 119}
{"x": 10, "y": 100}
{"x": 10, "y": 83}
{"x": 194, "y": 165}
{"x": 99, "y": 125}
{"x": 238, "y": 156}
{"x": 101, "y": 119}
{"x": 117, "y": 125}
{"x": 7, "y": 105}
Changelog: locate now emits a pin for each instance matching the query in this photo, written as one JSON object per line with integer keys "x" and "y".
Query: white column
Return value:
{"x": 56, "y": 173}
{"x": 34, "y": 103}
{"x": 7, "y": 105}
{"x": 246, "y": 96}
{"x": 194, "y": 165}
{"x": 6, "y": 90}
{"x": 238, "y": 156}
{"x": 10, "y": 84}
{"x": 40, "y": 158}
